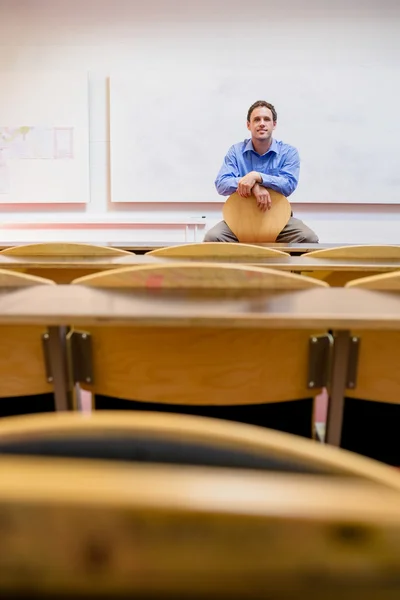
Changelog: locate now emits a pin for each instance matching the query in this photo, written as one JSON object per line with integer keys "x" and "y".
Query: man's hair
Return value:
{"x": 260, "y": 103}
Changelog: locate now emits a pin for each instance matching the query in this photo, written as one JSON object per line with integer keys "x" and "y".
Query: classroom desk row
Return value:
{"x": 65, "y": 268}
{"x": 143, "y": 247}
{"x": 291, "y": 321}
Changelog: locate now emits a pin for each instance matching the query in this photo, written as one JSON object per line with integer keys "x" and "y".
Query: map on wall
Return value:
{"x": 32, "y": 143}
{"x": 44, "y": 137}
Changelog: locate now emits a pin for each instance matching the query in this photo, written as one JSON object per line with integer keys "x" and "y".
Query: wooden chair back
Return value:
{"x": 199, "y": 275}
{"x": 167, "y": 532}
{"x": 67, "y": 434}
{"x": 215, "y": 250}
{"x": 75, "y": 250}
{"x": 385, "y": 282}
{"x": 250, "y": 224}
{"x": 361, "y": 252}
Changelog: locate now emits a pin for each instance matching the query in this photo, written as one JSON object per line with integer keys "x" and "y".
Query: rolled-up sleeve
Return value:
{"x": 228, "y": 177}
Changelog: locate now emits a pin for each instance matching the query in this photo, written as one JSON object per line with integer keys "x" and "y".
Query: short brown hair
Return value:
{"x": 260, "y": 103}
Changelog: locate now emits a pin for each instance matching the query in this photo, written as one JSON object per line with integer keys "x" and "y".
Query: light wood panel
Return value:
{"x": 364, "y": 252}
{"x": 250, "y": 224}
{"x": 230, "y": 435}
{"x": 216, "y": 250}
{"x": 200, "y": 365}
{"x": 14, "y": 279}
{"x": 338, "y": 278}
{"x": 63, "y": 249}
{"x": 61, "y": 275}
{"x": 199, "y": 275}
{"x": 22, "y": 367}
{"x": 164, "y": 532}
{"x": 389, "y": 282}
{"x": 378, "y": 373}
{"x": 22, "y": 370}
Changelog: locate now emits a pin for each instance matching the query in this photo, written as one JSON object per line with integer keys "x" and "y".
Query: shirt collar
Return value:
{"x": 273, "y": 148}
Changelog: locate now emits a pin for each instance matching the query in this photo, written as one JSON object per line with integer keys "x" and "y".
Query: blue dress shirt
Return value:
{"x": 279, "y": 167}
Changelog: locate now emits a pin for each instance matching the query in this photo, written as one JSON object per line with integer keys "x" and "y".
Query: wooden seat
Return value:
{"x": 217, "y": 250}
{"x": 207, "y": 371}
{"x": 148, "y": 531}
{"x": 181, "y": 439}
{"x": 250, "y": 224}
{"x": 63, "y": 249}
{"x": 362, "y": 252}
{"x": 24, "y": 387}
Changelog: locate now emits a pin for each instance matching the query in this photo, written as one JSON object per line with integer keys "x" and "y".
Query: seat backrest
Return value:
{"x": 63, "y": 249}
{"x": 200, "y": 533}
{"x": 218, "y": 250}
{"x": 389, "y": 282}
{"x": 147, "y": 437}
{"x": 250, "y": 224}
{"x": 192, "y": 275}
{"x": 14, "y": 279}
{"x": 361, "y": 252}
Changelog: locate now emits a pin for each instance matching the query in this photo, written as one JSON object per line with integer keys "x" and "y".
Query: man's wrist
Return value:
{"x": 259, "y": 177}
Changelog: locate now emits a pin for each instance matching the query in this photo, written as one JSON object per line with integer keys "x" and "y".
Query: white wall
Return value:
{"x": 105, "y": 36}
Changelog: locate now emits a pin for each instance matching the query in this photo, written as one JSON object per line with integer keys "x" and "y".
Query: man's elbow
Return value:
{"x": 289, "y": 187}
{"x": 222, "y": 188}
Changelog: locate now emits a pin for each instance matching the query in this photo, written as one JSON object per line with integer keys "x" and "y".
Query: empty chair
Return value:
{"x": 24, "y": 387}
{"x": 241, "y": 374}
{"x": 217, "y": 250}
{"x": 160, "y": 531}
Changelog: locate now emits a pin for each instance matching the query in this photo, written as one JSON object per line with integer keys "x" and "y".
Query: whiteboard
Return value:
{"x": 171, "y": 128}
{"x": 44, "y": 137}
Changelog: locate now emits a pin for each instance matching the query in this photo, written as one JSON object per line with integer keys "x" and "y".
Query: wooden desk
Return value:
{"x": 338, "y": 309}
{"x": 65, "y": 269}
{"x": 328, "y": 308}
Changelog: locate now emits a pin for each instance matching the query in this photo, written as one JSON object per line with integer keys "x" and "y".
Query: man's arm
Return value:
{"x": 286, "y": 180}
{"x": 228, "y": 177}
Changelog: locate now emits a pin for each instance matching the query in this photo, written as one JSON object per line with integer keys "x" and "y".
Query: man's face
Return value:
{"x": 261, "y": 124}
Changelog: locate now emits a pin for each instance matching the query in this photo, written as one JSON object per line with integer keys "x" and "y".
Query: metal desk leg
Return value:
{"x": 338, "y": 383}
{"x": 59, "y": 367}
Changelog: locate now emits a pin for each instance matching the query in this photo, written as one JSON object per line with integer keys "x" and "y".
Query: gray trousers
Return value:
{"x": 295, "y": 231}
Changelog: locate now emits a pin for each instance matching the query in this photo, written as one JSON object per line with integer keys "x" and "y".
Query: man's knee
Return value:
{"x": 310, "y": 237}
{"x": 220, "y": 233}
{"x": 211, "y": 236}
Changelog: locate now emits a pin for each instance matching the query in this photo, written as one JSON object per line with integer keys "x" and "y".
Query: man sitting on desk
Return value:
{"x": 256, "y": 164}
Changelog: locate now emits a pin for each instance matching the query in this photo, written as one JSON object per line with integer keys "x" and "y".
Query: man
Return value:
{"x": 252, "y": 166}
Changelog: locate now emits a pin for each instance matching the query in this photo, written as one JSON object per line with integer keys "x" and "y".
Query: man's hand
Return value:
{"x": 262, "y": 196}
{"x": 247, "y": 182}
